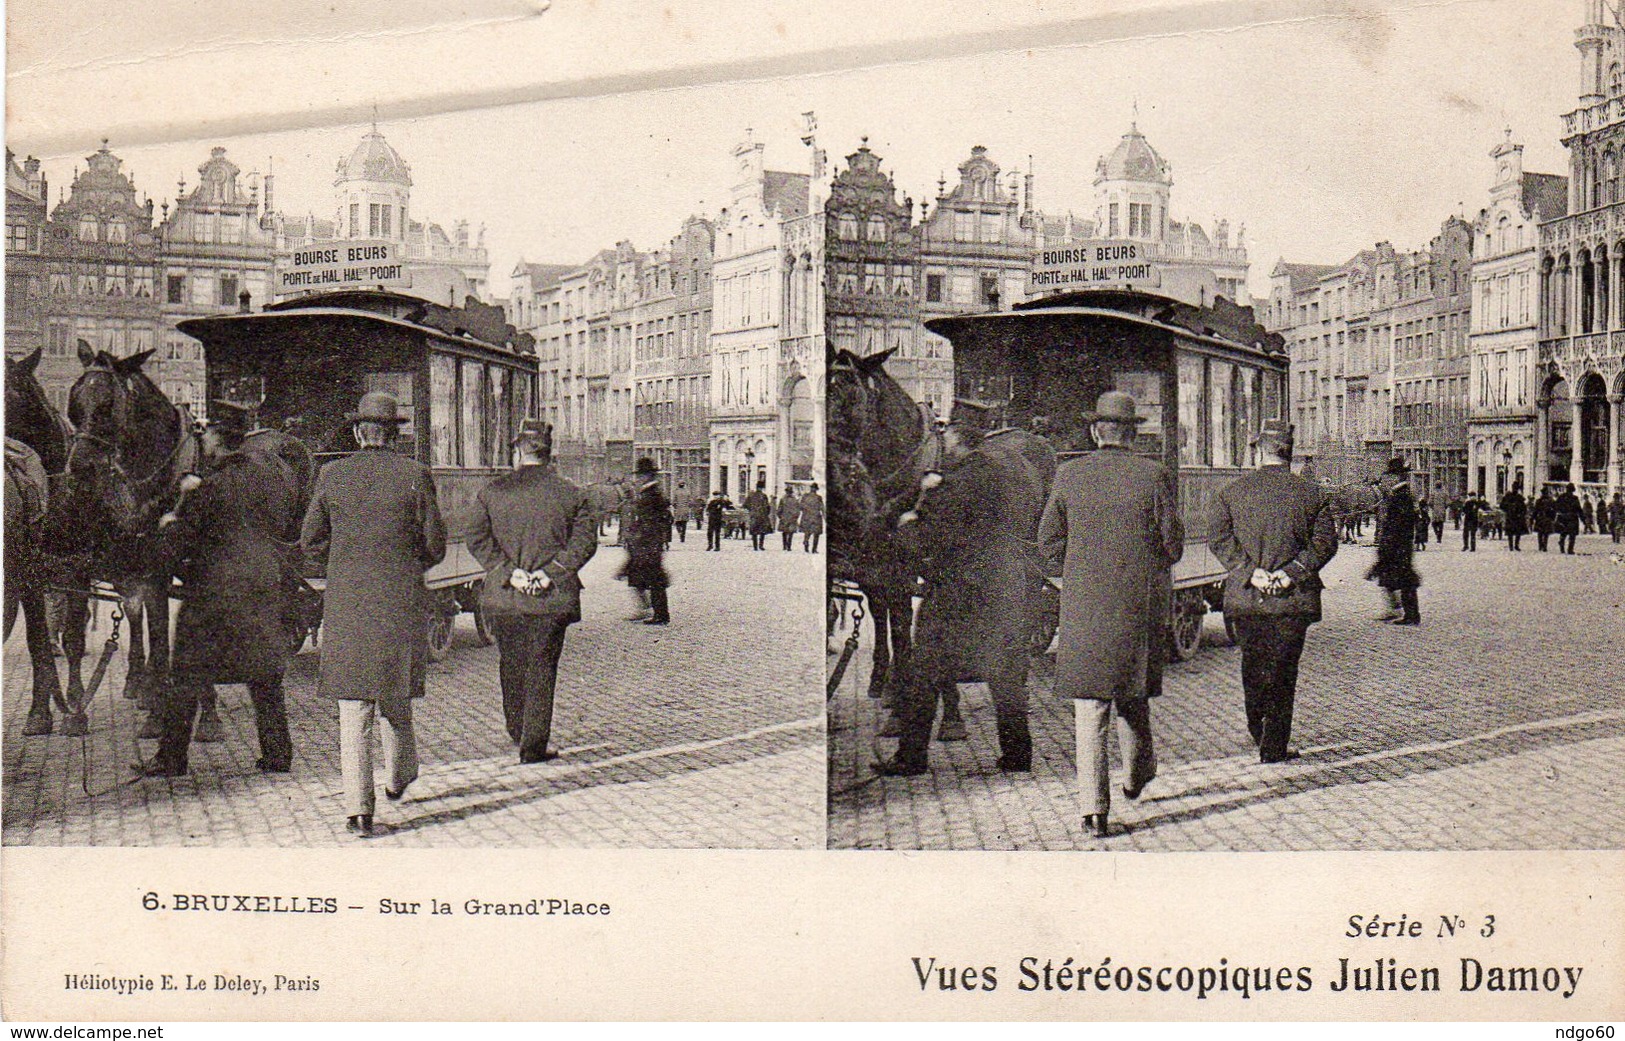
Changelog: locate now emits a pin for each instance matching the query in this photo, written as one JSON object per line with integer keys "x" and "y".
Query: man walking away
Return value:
{"x": 1515, "y": 514}
{"x": 1274, "y": 533}
{"x": 715, "y": 511}
{"x": 679, "y": 512}
{"x": 1394, "y": 570}
{"x": 375, "y": 523}
{"x": 812, "y": 519}
{"x": 761, "y": 515}
{"x": 1616, "y": 517}
{"x": 1544, "y": 516}
{"x": 532, "y": 531}
{"x": 1471, "y": 509}
{"x": 789, "y": 518}
{"x": 1112, "y": 524}
{"x": 647, "y": 522}
{"x": 1438, "y": 511}
{"x": 1566, "y": 514}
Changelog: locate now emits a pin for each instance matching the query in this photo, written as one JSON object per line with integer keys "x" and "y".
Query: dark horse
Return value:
{"x": 31, "y": 421}
{"x": 128, "y": 452}
{"x": 880, "y": 444}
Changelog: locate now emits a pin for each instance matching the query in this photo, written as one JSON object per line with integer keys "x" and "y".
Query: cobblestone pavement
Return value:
{"x": 706, "y": 734}
{"x": 1497, "y": 724}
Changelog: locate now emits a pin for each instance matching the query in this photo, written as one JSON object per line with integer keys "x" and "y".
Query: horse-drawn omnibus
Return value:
{"x": 1204, "y": 379}
{"x": 465, "y": 379}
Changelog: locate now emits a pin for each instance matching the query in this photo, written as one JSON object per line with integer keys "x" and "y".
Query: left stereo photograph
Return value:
{"x": 332, "y": 520}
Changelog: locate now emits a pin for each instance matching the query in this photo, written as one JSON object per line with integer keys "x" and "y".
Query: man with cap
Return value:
{"x": 760, "y": 508}
{"x": 532, "y": 531}
{"x": 811, "y": 519}
{"x": 374, "y": 523}
{"x": 1273, "y": 531}
{"x": 1395, "y": 571}
{"x": 648, "y": 521}
{"x": 789, "y": 516}
{"x": 221, "y": 537}
{"x": 1112, "y": 526}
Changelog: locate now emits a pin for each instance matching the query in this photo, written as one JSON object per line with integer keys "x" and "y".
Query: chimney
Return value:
{"x": 243, "y": 302}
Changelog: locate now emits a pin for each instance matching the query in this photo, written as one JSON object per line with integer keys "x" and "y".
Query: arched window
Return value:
{"x": 1616, "y": 83}
{"x": 1610, "y": 177}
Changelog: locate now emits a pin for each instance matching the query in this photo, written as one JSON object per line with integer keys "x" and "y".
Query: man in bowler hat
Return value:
{"x": 532, "y": 531}
{"x": 1395, "y": 571}
{"x": 1273, "y": 531}
{"x": 648, "y": 522}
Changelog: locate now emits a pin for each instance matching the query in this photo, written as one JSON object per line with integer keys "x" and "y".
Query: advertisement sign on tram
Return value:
{"x": 1093, "y": 264}
{"x": 349, "y": 264}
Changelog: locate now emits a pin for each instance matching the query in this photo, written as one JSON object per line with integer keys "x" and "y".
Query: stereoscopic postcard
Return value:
{"x": 1108, "y": 509}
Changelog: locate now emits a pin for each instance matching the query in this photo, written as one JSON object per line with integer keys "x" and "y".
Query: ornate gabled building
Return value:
{"x": 1505, "y": 374}
{"x": 975, "y": 253}
{"x": 748, "y": 277}
{"x": 1581, "y": 393}
{"x": 215, "y": 256}
{"x": 671, "y": 364}
{"x": 99, "y": 256}
{"x": 26, "y": 278}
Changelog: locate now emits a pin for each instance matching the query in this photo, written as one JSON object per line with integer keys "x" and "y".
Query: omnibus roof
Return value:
{"x": 298, "y": 314}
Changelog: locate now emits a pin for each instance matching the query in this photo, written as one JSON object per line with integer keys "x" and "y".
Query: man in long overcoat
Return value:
{"x": 1112, "y": 524}
{"x": 1566, "y": 519}
{"x": 1543, "y": 514}
{"x": 647, "y": 522}
{"x": 374, "y": 522}
{"x": 1515, "y": 508}
{"x": 812, "y": 519}
{"x": 222, "y": 539}
{"x": 760, "y": 508}
{"x": 532, "y": 531}
{"x": 789, "y": 513}
{"x": 1273, "y": 531}
{"x": 974, "y": 623}
{"x": 1395, "y": 571}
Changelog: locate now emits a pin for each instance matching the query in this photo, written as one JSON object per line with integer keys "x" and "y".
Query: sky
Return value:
{"x": 1321, "y": 135}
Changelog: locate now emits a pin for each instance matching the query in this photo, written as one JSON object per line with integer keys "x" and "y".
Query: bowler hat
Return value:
{"x": 1114, "y": 406}
{"x": 535, "y": 431}
{"x": 230, "y": 417}
{"x": 377, "y": 407}
{"x": 647, "y": 466}
{"x": 1275, "y": 432}
{"x": 1397, "y": 467}
{"x": 969, "y": 412}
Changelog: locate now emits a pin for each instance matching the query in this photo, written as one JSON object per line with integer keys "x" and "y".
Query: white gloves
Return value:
{"x": 531, "y": 583}
{"x": 1270, "y": 583}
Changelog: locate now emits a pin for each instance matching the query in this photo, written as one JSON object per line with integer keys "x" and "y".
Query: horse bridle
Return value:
{"x": 114, "y": 452}
{"x": 931, "y": 440}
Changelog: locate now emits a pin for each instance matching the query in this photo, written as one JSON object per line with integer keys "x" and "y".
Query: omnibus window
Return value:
{"x": 498, "y": 426}
{"x": 398, "y": 385}
{"x": 473, "y": 396}
{"x": 1246, "y": 414}
{"x": 522, "y": 407}
{"x": 1221, "y": 415}
{"x": 1192, "y": 445}
{"x": 442, "y": 410}
{"x": 1273, "y": 406}
{"x": 1146, "y": 389}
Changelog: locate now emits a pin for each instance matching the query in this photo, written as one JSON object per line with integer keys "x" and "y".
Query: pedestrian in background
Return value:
{"x": 1394, "y": 570}
{"x": 1112, "y": 525}
{"x": 812, "y": 519}
{"x": 1566, "y": 522}
{"x": 680, "y": 511}
{"x": 375, "y": 524}
{"x": 1472, "y": 508}
{"x": 1274, "y": 532}
{"x": 1421, "y": 532}
{"x": 789, "y": 518}
{"x": 648, "y": 521}
{"x": 1616, "y": 518}
{"x": 716, "y": 511}
{"x": 1588, "y": 516}
{"x": 760, "y": 509}
{"x": 532, "y": 531}
{"x": 1438, "y": 512}
{"x": 1543, "y": 514}
{"x": 1515, "y": 511}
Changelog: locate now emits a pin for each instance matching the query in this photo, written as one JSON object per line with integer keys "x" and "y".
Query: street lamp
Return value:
{"x": 749, "y": 474}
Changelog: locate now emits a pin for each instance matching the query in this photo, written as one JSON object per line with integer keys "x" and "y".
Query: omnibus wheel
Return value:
{"x": 1189, "y": 611}
{"x": 442, "y": 624}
